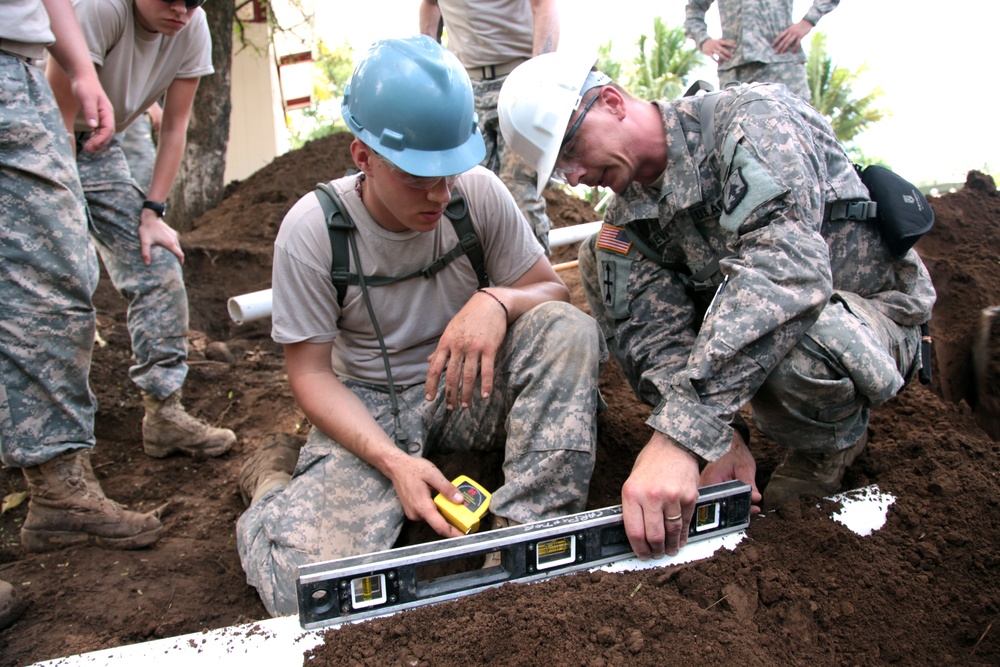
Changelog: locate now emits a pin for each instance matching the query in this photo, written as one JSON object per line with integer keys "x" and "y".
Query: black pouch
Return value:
{"x": 903, "y": 212}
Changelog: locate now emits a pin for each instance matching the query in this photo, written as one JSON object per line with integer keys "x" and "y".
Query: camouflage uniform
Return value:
{"x": 753, "y": 25}
{"x": 813, "y": 321}
{"x": 49, "y": 273}
{"x": 158, "y": 305}
{"x": 140, "y": 151}
{"x": 505, "y": 163}
{"x": 541, "y": 414}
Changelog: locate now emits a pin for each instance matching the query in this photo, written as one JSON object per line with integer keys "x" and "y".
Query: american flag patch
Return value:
{"x": 614, "y": 238}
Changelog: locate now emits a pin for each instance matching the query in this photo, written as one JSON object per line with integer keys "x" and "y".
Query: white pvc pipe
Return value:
{"x": 249, "y": 307}
{"x": 257, "y": 305}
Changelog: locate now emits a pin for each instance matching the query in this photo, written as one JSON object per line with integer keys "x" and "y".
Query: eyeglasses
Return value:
{"x": 565, "y": 159}
{"x": 189, "y": 4}
{"x": 426, "y": 183}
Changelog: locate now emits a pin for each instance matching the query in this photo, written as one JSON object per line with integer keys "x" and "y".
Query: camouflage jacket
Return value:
{"x": 761, "y": 195}
{"x": 753, "y": 25}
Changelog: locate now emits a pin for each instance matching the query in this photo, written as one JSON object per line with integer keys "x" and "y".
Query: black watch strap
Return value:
{"x": 157, "y": 207}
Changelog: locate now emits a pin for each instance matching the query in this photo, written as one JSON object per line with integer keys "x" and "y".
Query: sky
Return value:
{"x": 931, "y": 59}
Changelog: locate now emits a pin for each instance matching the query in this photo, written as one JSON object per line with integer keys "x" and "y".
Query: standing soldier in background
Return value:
{"x": 47, "y": 277}
{"x": 491, "y": 38}
{"x": 759, "y": 41}
{"x": 145, "y": 50}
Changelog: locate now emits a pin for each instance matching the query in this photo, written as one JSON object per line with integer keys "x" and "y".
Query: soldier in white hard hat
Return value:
{"x": 738, "y": 264}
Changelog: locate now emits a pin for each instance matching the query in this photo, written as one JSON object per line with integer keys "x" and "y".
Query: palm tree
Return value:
{"x": 830, "y": 89}
{"x": 662, "y": 73}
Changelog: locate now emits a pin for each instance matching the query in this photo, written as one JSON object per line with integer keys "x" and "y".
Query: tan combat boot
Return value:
{"x": 168, "y": 428}
{"x": 495, "y": 558}
{"x": 269, "y": 467}
{"x": 69, "y": 507}
{"x": 11, "y": 606}
{"x": 813, "y": 474}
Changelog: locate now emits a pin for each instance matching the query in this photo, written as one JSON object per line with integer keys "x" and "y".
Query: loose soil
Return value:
{"x": 801, "y": 589}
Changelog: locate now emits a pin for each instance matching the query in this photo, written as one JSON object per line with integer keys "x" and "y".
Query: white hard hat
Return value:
{"x": 536, "y": 102}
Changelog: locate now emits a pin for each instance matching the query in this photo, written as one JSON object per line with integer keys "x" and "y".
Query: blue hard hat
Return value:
{"x": 411, "y": 101}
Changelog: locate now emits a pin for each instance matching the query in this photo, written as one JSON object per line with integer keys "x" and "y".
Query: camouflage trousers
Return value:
{"x": 819, "y": 396}
{"x": 793, "y": 75}
{"x": 48, "y": 273}
{"x": 140, "y": 151}
{"x": 504, "y": 162}
{"x": 157, "y": 298}
{"x": 541, "y": 414}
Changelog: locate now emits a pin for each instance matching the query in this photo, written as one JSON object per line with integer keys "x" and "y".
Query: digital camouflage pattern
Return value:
{"x": 158, "y": 304}
{"x": 791, "y": 74}
{"x": 830, "y": 291}
{"x": 48, "y": 273}
{"x": 505, "y": 163}
{"x": 754, "y": 25}
{"x": 542, "y": 414}
{"x": 140, "y": 151}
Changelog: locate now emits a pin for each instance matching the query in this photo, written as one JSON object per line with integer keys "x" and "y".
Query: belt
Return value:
{"x": 490, "y": 72}
{"x": 22, "y": 50}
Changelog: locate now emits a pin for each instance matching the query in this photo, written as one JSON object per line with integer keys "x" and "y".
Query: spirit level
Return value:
{"x": 380, "y": 583}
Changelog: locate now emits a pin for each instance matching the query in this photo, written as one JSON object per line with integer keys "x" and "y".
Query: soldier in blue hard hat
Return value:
{"x": 403, "y": 342}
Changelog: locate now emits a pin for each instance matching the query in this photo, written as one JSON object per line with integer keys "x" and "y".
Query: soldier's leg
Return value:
{"x": 542, "y": 411}
{"x": 792, "y": 75}
{"x": 335, "y": 505}
{"x": 818, "y": 400}
{"x": 158, "y": 304}
{"x": 157, "y": 312}
{"x": 502, "y": 161}
{"x": 47, "y": 277}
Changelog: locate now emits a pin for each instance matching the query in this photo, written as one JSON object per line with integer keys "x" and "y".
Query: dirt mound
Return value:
{"x": 802, "y": 589}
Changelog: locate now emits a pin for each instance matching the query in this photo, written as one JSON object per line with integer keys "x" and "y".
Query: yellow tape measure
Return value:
{"x": 475, "y": 504}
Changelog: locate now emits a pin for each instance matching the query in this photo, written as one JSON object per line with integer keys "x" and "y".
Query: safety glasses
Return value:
{"x": 566, "y": 161}
{"x": 190, "y": 4}
{"x": 417, "y": 182}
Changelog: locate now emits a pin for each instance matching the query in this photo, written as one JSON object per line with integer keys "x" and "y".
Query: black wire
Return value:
{"x": 397, "y": 428}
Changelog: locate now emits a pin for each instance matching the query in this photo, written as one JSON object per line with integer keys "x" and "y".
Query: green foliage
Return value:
{"x": 333, "y": 70}
{"x": 662, "y": 72}
{"x": 831, "y": 90}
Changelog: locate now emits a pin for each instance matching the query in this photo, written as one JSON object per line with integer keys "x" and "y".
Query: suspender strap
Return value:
{"x": 340, "y": 226}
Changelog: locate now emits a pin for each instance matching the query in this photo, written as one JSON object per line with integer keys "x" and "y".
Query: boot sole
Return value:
{"x": 163, "y": 451}
{"x": 40, "y": 541}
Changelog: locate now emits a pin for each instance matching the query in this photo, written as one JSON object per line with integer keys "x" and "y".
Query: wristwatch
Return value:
{"x": 157, "y": 207}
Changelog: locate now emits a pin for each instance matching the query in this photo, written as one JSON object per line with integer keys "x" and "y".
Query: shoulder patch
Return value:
{"x": 614, "y": 239}
{"x": 734, "y": 191}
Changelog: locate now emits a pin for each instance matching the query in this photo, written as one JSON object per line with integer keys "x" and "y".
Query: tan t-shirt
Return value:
{"x": 411, "y": 314}
{"x": 25, "y": 21}
{"x": 136, "y": 66}
{"x": 488, "y": 32}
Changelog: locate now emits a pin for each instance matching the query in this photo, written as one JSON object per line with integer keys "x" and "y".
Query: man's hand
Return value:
{"x": 737, "y": 463}
{"x": 97, "y": 110}
{"x": 415, "y": 481}
{"x": 468, "y": 349}
{"x": 791, "y": 38}
{"x": 719, "y": 50}
{"x": 154, "y": 231}
{"x": 659, "y": 497}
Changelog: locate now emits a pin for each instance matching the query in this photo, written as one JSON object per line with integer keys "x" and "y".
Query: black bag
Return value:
{"x": 903, "y": 212}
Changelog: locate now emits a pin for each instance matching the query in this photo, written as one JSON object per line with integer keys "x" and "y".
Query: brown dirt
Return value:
{"x": 802, "y": 589}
